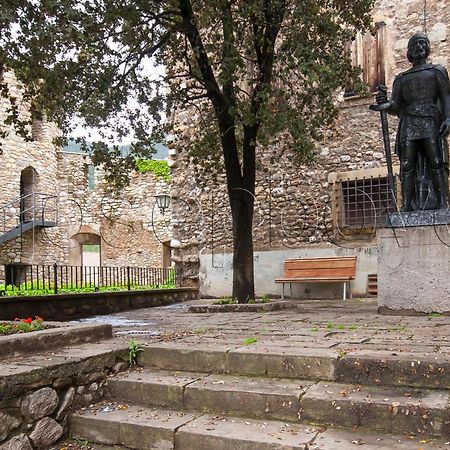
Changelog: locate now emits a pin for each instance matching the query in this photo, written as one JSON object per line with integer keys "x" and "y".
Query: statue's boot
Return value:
{"x": 408, "y": 181}
{"x": 440, "y": 187}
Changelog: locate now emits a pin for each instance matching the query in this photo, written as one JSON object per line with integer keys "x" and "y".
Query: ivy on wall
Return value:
{"x": 159, "y": 168}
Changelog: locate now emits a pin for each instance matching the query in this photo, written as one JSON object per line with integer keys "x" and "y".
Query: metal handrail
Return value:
{"x": 38, "y": 208}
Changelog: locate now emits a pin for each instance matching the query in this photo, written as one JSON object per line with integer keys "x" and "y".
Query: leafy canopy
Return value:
{"x": 271, "y": 66}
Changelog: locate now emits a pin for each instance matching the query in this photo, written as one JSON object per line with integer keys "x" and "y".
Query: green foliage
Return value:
{"x": 133, "y": 351}
{"x": 225, "y": 301}
{"x": 250, "y": 341}
{"x": 88, "y": 62}
{"x": 22, "y": 326}
{"x": 30, "y": 290}
{"x": 259, "y": 300}
{"x": 435, "y": 314}
{"x": 159, "y": 168}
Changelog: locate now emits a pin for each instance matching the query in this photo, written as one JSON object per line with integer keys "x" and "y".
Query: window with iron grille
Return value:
{"x": 367, "y": 52}
{"x": 364, "y": 203}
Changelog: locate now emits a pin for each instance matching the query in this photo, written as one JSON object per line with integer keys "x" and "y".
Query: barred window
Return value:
{"x": 367, "y": 52}
{"x": 364, "y": 203}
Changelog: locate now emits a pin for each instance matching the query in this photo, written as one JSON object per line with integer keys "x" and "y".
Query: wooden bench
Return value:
{"x": 319, "y": 270}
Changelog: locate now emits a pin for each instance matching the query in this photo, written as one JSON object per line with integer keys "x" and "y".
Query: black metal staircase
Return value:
{"x": 28, "y": 212}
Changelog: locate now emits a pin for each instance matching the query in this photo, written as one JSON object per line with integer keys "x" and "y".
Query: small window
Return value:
{"x": 364, "y": 203}
{"x": 367, "y": 52}
{"x": 91, "y": 177}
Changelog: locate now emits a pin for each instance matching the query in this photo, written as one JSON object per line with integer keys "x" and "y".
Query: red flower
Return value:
{"x": 28, "y": 320}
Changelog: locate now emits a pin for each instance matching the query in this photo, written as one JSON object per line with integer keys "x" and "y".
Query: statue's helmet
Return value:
{"x": 411, "y": 45}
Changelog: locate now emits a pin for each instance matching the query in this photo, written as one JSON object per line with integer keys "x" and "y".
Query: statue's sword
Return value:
{"x": 387, "y": 150}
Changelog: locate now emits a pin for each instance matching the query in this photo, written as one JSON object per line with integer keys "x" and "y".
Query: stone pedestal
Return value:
{"x": 414, "y": 269}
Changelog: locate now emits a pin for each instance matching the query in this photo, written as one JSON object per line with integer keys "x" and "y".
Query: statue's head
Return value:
{"x": 418, "y": 47}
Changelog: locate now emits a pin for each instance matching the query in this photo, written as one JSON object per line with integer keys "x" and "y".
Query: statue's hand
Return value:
{"x": 379, "y": 107}
{"x": 381, "y": 96}
{"x": 445, "y": 128}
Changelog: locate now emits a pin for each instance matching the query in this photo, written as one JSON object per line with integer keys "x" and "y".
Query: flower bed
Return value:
{"x": 22, "y": 326}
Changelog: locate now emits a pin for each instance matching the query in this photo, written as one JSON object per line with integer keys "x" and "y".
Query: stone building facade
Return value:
{"x": 331, "y": 207}
{"x": 124, "y": 228}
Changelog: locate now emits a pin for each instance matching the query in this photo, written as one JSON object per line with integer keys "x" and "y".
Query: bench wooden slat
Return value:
{"x": 321, "y": 270}
{"x": 308, "y": 280}
{"x": 324, "y": 273}
{"x": 322, "y": 264}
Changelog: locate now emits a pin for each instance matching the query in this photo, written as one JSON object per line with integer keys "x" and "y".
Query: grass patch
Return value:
{"x": 250, "y": 341}
{"x": 30, "y": 291}
{"x": 225, "y": 301}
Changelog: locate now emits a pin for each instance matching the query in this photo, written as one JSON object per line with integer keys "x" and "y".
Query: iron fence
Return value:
{"x": 54, "y": 279}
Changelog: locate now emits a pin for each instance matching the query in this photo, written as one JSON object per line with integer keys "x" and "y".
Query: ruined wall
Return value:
{"x": 295, "y": 205}
{"x": 127, "y": 225}
{"x": 122, "y": 221}
{"x": 17, "y": 155}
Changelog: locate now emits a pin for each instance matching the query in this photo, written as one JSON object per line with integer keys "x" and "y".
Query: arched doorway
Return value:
{"x": 85, "y": 253}
{"x": 28, "y": 183}
{"x": 85, "y": 249}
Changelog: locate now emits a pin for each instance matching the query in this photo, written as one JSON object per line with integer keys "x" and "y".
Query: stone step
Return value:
{"x": 258, "y": 359}
{"x": 134, "y": 427}
{"x": 340, "y": 363}
{"x": 389, "y": 410}
{"x": 142, "y": 428}
{"x": 403, "y": 410}
{"x": 255, "y": 397}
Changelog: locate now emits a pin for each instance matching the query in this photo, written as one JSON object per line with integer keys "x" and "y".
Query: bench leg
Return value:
{"x": 290, "y": 286}
{"x": 345, "y": 290}
{"x": 350, "y": 289}
{"x": 282, "y": 291}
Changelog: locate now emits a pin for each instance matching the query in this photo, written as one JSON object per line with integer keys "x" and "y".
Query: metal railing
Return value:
{"x": 54, "y": 279}
{"x": 31, "y": 207}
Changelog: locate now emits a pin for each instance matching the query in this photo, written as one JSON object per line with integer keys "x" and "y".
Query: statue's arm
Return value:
{"x": 396, "y": 98}
{"x": 444, "y": 96}
{"x": 392, "y": 106}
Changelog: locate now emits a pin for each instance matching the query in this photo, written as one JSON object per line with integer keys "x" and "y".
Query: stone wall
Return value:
{"x": 295, "y": 205}
{"x": 63, "y": 307}
{"x": 127, "y": 225}
{"x": 34, "y": 404}
{"x": 17, "y": 155}
{"x": 122, "y": 221}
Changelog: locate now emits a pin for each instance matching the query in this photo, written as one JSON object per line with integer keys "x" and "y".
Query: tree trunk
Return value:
{"x": 242, "y": 204}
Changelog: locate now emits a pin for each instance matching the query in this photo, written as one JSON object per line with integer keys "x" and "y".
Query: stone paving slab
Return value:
{"x": 389, "y": 410}
{"x": 283, "y": 362}
{"x": 217, "y": 433}
{"x": 152, "y": 387}
{"x": 133, "y": 426}
{"x": 348, "y": 440}
{"x": 179, "y": 356}
{"x": 241, "y": 308}
{"x": 59, "y": 335}
{"x": 273, "y": 399}
{"x": 395, "y": 369}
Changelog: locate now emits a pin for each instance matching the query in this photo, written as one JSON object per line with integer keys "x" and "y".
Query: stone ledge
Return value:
{"x": 64, "y": 307}
{"x": 59, "y": 335}
{"x": 384, "y": 310}
{"x": 245, "y": 307}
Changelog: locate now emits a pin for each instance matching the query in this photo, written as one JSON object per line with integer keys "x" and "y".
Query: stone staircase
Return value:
{"x": 208, "y": 397}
